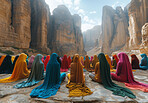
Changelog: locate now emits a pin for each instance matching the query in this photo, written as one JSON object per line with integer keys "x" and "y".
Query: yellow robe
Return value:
{"x": 94, "y": 61}
{"x": 76, "y": 83}
{"x": 109, "y": 62}
{"x": 20, "y": 70}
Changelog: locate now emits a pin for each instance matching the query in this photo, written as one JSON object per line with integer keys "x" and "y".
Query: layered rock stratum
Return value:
{"x": 124, "y": 29}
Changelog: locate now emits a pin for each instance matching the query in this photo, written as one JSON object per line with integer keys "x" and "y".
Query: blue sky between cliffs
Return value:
{"x": 89, "y": 10}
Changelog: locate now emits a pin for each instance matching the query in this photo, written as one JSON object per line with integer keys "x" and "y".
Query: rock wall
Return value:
{"x": 28, "y": 24}
{"x": 91, "y": 37}
{"x": 144, "y": 45}
{"x": 40, "y": 14}
{"x": 65, "y": 35}
{"x": 138, "y": 16}
{"x": 21, "y": 18}
{"x": 7, "y": 35}
{"x": 114, "y": 29}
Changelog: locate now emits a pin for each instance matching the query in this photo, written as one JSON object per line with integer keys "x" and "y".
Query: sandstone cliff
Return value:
{"x": 8, "y": 34}
{"x": 21, "y": 18}
{"x": 39, "y": 24}
{"x": 114, "y": 29}
{"x": 138, "y": 16}
{"x": 28, "y": 24}
{"x": 91, "y": 37}
{"x": 65, "y": 35}
{"x": 144, "y": 45}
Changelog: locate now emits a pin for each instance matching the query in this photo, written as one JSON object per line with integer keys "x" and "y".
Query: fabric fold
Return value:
{"x": 52, "y": 79}
{"x": 124, "y": 74}
{"x": 36, "y": 75}
{"x": 76, "y": 83}
{"x": 107, "y": 82}
{"x": 20, "y": 70}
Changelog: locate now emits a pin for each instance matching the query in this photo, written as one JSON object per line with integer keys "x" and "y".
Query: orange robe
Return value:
{"x": 77, "y": 80}
{"x": 1, "y": 59}
{"x": 94, "y": 61}
{"x": 87, "y": 62}
{"x": 20, "y": 70}
{"x": 109, "y": 62}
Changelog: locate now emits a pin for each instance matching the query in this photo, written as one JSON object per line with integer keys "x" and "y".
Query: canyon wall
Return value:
{"x": 40, "y": 14}
{"x": 138, "y": 16}
{"x": 65, "y": 35}
{"x": 28, "y": 24}
{"x": 114, "y": 29}
{"x": 21, "y": 18}
{"x": 91, "y": 37}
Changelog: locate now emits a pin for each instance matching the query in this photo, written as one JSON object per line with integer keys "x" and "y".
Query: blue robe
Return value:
{"x": 52, "y": 79}
{"x": 144, "y": 62}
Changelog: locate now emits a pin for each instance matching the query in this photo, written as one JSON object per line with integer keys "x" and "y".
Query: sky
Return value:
{"x": 89, "y": 10}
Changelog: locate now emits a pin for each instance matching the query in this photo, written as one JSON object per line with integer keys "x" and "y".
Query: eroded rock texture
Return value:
{"x": 115, "y": 29}
{"x": 138, "y": 16}
{"x": 39, "y": 24}
{"x": 7, "y": 35}
{"x": 91, "y": 37}
{"x": 65, "y": 35}
{"x": 21, "y": 18}
{"x": 144, "y": 45}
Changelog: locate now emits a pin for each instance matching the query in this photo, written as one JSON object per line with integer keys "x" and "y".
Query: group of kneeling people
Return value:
{"x": 76, "y": 78}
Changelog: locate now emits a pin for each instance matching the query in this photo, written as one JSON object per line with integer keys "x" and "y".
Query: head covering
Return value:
{"x": 116, "y": 58}
{"x": 144, "y": 62}
{"x": 134, "y": 62}
{"x": 30, "y": 62}
{"x": 64, "y": 66}
{"x": 59, "y": 60}
{"x": 36, "y": 75}
{"x": 109, "y": 62}
{"x": 12, "y": 58}
{"x": 77, "y": 80}
{"x": 1, "y": 59}
{"x": 46, "y": 61}
{"x": 6, "y": 66}
{"x": 124, "y": 74}
{"x": 82, "y": 60}
{"x": 69, "y": 61}
{"x": 86, "y": 62}
{"x": 107, "y": 82}
{"x": 91, "y": 58}
{"x": 51, "y": 82}
{"x": 14, "y": 61}
{"x": 76, "y": 71}
{"x": 94, "y": 61}
{"x": 20, "y": 70}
